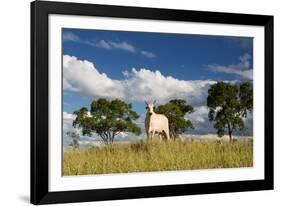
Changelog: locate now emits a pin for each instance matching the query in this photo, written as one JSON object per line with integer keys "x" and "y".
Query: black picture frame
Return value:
{"x": 40, "y": 102}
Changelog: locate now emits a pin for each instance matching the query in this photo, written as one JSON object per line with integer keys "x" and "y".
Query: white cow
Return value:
{"x": 155, "y": 123}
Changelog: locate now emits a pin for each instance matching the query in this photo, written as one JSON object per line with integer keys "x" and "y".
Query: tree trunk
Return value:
{"x": 230, "y": 133}
{"x": 230, "y": 136}
{"x": 112, "y": 138}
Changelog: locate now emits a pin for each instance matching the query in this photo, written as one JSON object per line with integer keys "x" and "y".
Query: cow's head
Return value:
{"x": 150, "y": 107}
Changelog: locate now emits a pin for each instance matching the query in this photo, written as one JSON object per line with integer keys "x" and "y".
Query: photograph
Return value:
{"x": 133, "y": 102}
{"x": 155, "y": 102}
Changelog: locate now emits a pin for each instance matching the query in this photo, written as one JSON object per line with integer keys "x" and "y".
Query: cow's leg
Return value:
{"x": 152, "y": 136}
{"x": 148, "y": 136}
{"x": 160, "y": 136}
{"x": 167, "y": 134}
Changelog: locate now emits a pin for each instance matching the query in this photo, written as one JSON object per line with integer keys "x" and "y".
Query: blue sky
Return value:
{"x": 182, "y": 56}
{"x": 183, "y": 65}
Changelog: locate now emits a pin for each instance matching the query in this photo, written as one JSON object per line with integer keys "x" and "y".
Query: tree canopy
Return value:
{"x": 107, "y": 119}
{"x": 175, "y": 110}
{"x": 228, "y": 105}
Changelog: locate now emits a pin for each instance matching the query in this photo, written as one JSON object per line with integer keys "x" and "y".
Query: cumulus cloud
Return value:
{"x": 202, "y": 125}
{"x": 126, "y": 73}
{"x": 82, "y": 76}
{"x": 88, "y": 141}
{"x": 138, "y": 85}
{"x": 84, "y": 141}
{"x": 242, "y": 68}
{"x": 144, "y": 84}
{"x": 67, "y": 127}
{"x": 200, "y": 121}
{"x": 148, "y": 54}
{"x": 67, "y": 122}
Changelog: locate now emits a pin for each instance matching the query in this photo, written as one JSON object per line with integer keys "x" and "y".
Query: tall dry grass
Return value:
{"x": 157, "y": 156}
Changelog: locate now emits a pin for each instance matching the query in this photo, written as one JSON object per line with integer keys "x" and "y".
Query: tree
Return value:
{"x": 228, "y": 105}
{"x": 175, "y": 110}
{"x": 107, "y": 119}
{"x": 74, "y": 139}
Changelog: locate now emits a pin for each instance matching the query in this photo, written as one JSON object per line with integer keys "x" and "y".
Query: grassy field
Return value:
{"x": 157, "y": 156}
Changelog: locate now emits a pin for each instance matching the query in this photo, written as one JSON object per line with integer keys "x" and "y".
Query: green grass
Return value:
{"x": 157, "y": 156}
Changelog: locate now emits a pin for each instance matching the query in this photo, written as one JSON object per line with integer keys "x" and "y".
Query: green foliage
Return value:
{"x": 157, "y": 156}
{"x": 246, "y": 98}
{"x": 107, "y": 119}
{"x": 228, "y": 105}
{"x": 175, "y": 111}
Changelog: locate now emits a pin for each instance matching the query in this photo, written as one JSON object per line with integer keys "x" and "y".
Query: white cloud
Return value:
{"x": 103, "y": 44}
{"x": 123, "y": 46}
{"x": 88, "y": 141}
{"x": 148, "y": 54}
{"x": 109, "y": 45}
{"x": 67, "y": 127}
{"x": 144, "y": 84}
{"x": 67, "y": 121}
{"x": 126, "y": 73}
{"x": 84, "y": 141}
{"x": 202, "y": 125}
{"x": 139, "y": 85}
{"x": 197, "y": 115}
{"x": 83, "y": 77}
{"x": 200, "y": 121}
{"x": 242, "y": 68}
{"x": 69, "y": 36}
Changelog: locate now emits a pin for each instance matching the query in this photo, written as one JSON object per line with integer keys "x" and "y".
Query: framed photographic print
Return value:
{"x": 131, "y": 102}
